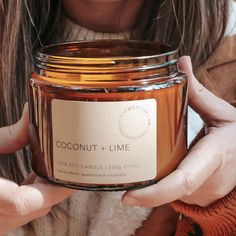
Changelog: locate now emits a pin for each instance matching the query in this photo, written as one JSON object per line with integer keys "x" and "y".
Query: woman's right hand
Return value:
{"x": 21, "y": 204}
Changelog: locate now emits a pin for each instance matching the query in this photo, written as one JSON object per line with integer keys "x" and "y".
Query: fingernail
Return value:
{"x": 130, "y": 201}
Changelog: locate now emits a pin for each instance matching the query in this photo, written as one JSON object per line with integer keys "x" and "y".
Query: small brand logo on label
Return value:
{"x": 134, "y": 121}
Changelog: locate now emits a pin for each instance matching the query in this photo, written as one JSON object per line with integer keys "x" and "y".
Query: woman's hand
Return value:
{"x": 21, "y": 204}
{"x": 208, "y": 171}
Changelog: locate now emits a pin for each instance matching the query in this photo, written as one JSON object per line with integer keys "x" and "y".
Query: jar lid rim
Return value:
{"x": 138, "y": 50}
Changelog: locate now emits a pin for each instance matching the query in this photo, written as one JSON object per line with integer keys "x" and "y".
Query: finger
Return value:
{"x": 23, "y": 200}
{"x": 15, "y": 137}
{"x": 193, "y": 171}
{"x": 211, "y": 108}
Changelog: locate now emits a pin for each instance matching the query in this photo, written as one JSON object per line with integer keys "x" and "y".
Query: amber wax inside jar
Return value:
{"x": 107, "y": 115}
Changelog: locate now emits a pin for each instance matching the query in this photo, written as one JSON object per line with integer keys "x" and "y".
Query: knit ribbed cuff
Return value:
{"x": 217, "y": 219}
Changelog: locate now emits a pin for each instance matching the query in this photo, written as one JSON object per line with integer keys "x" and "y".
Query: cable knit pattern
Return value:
{"x": 217, "y": 219}
{"x": 119, "y": 219}
{"x": 185, "y": 227}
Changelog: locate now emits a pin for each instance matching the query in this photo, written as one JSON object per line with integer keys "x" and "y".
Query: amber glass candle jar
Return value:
{"x": 107, "y": 115}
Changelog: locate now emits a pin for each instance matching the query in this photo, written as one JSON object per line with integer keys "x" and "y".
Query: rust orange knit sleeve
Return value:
{"x": 217, "y": 219}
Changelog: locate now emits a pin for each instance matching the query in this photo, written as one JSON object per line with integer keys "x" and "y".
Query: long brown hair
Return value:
{"x": 23, "y": 25}
{"x": 196, "y": 27}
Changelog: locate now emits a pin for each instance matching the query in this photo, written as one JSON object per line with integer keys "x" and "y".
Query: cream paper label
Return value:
{"x": 104, "y": 142}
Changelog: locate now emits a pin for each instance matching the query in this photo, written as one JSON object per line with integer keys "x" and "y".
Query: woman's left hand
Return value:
{"x": 208, "y": 171}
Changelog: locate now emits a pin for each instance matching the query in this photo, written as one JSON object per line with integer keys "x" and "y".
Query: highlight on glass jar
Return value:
{"x": 107, "y": 115}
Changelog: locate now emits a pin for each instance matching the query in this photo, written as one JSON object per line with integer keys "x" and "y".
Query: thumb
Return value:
{"x": 211, "y": 108}
{"x": 15, "y": 137}
{"x": 26, "y": 199}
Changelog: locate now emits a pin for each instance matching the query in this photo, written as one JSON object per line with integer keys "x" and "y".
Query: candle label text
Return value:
{"x": 104, "y": 142}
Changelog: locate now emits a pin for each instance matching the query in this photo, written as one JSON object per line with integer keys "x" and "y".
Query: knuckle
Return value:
{"x": 157, "y": 200}
{"x": 15, "y": 136}
{"x": 11, "y": 130}
{"x": 219, "y": 193}
{"x": 188, "y": 182}
{"x": 18, "y": 206}
{"x": 12, "y": 134}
